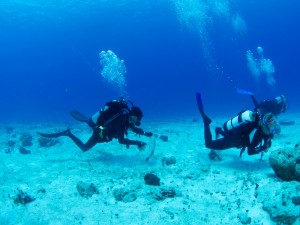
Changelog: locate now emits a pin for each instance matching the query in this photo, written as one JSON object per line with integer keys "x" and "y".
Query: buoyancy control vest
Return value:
{"x": 110, "y": 111}
{"x": 243, "y": 117}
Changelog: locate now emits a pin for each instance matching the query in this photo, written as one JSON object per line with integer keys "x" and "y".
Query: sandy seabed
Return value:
{"x": 207, "y": 191}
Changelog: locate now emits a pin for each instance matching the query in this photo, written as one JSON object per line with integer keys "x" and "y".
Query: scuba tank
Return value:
{"x": 242, "y": 118}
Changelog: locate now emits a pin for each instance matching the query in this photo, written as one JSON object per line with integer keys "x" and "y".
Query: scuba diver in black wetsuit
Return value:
{"x": 276, "y": 105}
{"x": 247, "y": 130}
{"x": 112, "y": 121}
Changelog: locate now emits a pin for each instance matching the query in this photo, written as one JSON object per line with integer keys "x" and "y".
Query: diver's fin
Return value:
{"x": 206, "y": 119}
{"x": 199, "y": 103}
{"x": 78, "y": 116}
{"x": 243, "y": 91}
{"x": 55, "y": 135}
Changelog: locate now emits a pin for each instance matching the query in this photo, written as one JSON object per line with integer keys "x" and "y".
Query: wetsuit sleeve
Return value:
{"x": 269, "y": 105}
{"x": 126, "y": 141}
{"x": 259, "y": 143}
{"x": 141, "y": 131}
{"x": 137, "y": 130}
{"x": 267, "y": 144}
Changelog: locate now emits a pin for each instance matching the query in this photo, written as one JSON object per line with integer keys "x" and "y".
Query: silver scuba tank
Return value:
{"x": 280, "y": 99}
{"x": 241, "y": 118}
{"x": 95, "y": 117}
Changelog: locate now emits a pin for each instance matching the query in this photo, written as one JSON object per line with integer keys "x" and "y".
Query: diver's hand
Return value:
{"x": 148, "y": 134}
{"x": 141, "y": 146}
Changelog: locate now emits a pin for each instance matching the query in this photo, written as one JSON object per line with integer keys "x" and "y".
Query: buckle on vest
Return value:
{"x": 101, "y": 131}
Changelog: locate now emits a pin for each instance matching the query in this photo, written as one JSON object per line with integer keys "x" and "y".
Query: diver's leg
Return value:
{"x": 219, "y": 131}
{"x": 207, "y": 136}
{"x": 94, "y": 139}
{"x": 218, "y": 144}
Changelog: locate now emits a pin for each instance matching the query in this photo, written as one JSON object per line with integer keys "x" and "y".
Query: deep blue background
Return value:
{"x": 49, "y": 57}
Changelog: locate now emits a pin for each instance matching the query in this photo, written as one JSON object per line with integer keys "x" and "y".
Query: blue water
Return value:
{"x": 49, "y": 61}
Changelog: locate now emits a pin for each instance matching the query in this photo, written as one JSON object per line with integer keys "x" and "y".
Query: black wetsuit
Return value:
{"x": 117, "y": 128}
{"x": 248, "y": 135}
{"x": 269, "y": 105}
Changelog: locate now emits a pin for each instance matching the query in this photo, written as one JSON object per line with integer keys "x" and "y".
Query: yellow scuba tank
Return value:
{"x": 242, "y": 118}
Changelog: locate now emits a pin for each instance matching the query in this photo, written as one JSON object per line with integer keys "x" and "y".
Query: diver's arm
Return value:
{"x": 259, "y": 144}
{"x": 267, "y": 144}
{"x": 128, "y": 142}
{"x": 137, "y": 130}
{"x": 268, "y": 105}
{"x": 254, "y": 143}
{"x": 140, "y": 131}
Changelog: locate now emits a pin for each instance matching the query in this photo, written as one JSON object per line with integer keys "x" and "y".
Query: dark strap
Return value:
{"x": 112, "y": 118}
{"x": 108, "y": 121}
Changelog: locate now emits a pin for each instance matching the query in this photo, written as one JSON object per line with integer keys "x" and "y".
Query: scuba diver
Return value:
{"x": 247, "y": 130}
{"x": 276, "y": 105}
{"x": 112, "y": 121}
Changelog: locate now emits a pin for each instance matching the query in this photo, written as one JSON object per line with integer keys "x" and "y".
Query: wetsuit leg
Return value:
{"x": 94, "y": 139}
{"x": 219, "y": 131}
{"x": 219, "y": 144}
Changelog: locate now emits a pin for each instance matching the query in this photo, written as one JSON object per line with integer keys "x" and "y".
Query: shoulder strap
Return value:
{"x": 112, "y": 118}
{"x": 121, "y": 107}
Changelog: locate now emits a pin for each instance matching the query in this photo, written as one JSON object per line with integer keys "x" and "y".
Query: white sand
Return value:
{"x": 208, "y": 192}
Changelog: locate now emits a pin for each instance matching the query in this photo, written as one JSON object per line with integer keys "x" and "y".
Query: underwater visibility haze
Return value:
{"x": 61, "y": 55}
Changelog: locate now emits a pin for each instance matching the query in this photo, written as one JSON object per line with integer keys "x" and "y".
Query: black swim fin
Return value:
{"x": 56, "y": 135}
{"x": 206, "y": 119}
{"x": 199, "y": 103}
{"x": 78, "y": 116}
